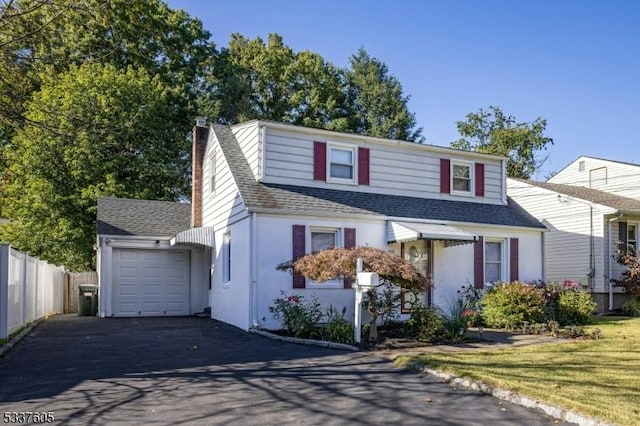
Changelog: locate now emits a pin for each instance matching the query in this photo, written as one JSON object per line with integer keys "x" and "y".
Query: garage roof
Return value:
{"x": 125, "y": 216}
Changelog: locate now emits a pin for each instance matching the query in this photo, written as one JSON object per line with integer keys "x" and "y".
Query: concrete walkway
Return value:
{"x": 489, "y": 339}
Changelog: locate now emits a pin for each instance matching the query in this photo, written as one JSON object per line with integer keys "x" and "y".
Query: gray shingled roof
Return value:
{"x": 258, "y": 196}
{"x": 596, "y": 196}
{"x": 124, "y": 216}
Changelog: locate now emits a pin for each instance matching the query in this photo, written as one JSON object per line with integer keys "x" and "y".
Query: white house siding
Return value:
{"x": 274, "y": 246}
{"x": 453, "y": 266}
{"x": 568, "y": 240}
{"x": 248, "y": 136}
{"x": 230, "y": 300}
{"x": 223, "y": 205}
{"x": 609, "y": 176}
{"x": 199, "y": 294}
{"x": 401, "y": 169}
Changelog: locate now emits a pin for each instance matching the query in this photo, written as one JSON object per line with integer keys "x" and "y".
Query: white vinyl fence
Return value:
{"x": 30, "y": 288}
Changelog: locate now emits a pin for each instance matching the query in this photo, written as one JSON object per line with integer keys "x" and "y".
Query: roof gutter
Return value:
{"x": 364, "y": 216}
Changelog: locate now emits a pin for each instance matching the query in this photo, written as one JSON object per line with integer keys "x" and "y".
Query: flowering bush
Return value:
{"x": 298, "y": 317}
{"x": 471, "y": 298}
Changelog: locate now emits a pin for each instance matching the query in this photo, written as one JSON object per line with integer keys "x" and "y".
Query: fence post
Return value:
{"x": 4, "y": 291}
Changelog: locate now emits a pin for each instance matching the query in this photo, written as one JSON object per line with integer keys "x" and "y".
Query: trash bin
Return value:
{"x": 87, "y": 300}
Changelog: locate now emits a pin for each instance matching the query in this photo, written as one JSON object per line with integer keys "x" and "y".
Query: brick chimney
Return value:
{"x": 200, "y": 134}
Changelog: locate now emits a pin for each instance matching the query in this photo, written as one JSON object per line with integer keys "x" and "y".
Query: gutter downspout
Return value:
{"x": 613, "y": 219}
{"x": 253, "y": 290}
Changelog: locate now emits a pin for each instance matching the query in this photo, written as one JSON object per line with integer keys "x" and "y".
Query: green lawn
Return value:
{"x": 599, "y": 378}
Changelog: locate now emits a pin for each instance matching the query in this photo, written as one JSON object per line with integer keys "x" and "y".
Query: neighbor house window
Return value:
{"x": 461, "y": 178}
{"x": 226, "y": 258}
{"x": 342, "y": 163}
{"x": 493, "y": 261}
{"x": 632, "y": 236}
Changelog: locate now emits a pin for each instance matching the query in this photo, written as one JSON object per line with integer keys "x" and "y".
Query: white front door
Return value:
{"x": 150, "y": 282}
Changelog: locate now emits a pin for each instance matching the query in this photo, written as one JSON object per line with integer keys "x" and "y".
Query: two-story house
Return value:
{"x": 591, "y": 207}
{"x": 266, "y": 192}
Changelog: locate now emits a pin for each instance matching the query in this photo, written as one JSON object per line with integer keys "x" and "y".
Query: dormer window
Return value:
{"x": 461, "y": 178}
{"x": 341, "y": 163}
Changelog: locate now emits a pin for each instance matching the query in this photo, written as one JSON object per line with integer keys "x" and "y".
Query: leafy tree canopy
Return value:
{"x": 93, "y": 131}
{"x": 253, "y": 79}
{"x": 493, "y": 132}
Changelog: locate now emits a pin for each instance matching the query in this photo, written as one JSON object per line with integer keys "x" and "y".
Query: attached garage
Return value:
{"x": 141, "y": 274}
{"x": 150, "y": 283}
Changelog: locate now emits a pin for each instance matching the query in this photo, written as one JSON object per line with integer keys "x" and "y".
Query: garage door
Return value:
{"x": 150, "y": 282}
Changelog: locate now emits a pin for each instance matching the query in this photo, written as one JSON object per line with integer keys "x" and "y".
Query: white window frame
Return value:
{"x": 331, "y": 284}
{"x": 354, "y": 155}
{"x": 504, "y": 259}
{"x": 226, "y": 258}
{"x": 633, "y": 242}
{"x": 212, "y": 172}
{"x": 471, "y": 166}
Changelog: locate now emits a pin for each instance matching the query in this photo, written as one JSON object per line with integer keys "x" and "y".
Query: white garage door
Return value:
{"x": 150, "y": 282}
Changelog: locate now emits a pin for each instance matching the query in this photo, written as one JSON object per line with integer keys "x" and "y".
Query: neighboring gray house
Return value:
{"x": 585, "y": 226}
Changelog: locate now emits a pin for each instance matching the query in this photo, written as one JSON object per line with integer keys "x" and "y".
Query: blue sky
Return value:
{"x": 574, "y": 63}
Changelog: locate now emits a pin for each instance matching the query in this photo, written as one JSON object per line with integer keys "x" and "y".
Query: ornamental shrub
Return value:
{"x": 425, "y": 322}
{"x": 632, "y": 308}
{"x": 297, "y": 316}
{"x": 575, "y": 307}
{"x": 337, "y": 329}
{"x": 509, "y": 305}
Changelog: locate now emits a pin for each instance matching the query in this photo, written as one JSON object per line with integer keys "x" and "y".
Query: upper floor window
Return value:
{"x": 461, "y": 177}
{"x": 342, "y": 163}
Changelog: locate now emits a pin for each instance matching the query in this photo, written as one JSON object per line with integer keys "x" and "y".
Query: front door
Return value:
{"x": 419, "y": 254}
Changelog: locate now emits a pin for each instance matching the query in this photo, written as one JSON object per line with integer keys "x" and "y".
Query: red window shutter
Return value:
{"x": 478, "y": 263}
{"x": 513, "y": 259}
{"x": 349, "y": 242}
{"x": 622, "y": 237}
{"x": 445, "y": 176}
{"x": 298, "y": 251}
{"x": 363, "y": 166}
{"x": 320, "y": 161}
{"x": 479, "y": 179}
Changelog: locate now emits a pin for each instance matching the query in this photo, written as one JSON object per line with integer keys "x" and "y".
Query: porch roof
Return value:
{"x": 411, "y": 231}
{"x": 202, "y": 236}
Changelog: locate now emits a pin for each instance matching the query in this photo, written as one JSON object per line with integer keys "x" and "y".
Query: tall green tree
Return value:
{"x": 376, "y": 105}
{"x": 93, "y": 131}
{"x": 492, "y": 132}
{"x": 253, "y": 79}
{"x": 98, "y": 129}
{"x": 52, "y": 35}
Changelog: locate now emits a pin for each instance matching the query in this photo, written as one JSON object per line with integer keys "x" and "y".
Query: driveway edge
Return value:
{"x": 15, "y": 339}
{"x": 515, "y": 398}
{"x": 310, "y": 342}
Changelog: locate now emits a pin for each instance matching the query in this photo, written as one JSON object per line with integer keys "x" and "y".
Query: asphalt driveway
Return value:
{"x": 161, "y": 371}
